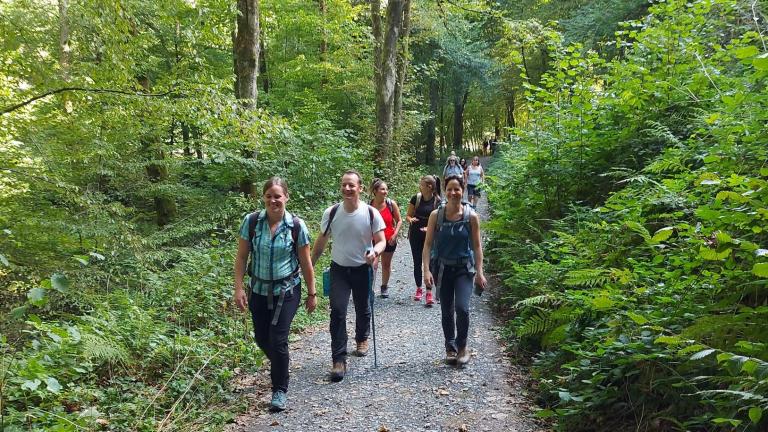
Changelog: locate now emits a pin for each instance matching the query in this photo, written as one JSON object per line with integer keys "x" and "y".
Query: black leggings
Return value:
{"x": 416, "y": 238}
{"x": 273, "y": 339}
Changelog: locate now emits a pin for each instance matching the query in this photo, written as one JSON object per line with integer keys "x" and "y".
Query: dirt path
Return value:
{"x": 412, "y": 389}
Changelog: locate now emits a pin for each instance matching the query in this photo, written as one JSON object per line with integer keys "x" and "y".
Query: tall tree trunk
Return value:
{"x": 496, "y": 126}
{"x": 157, "y": 171}
{"x": 246, "y": 51}
{"x": 263, "y": 73}
{"x": 402, "y": 62}
{"x": 323, "y": 41}
{"x": 459, "y": 102}
{"x": 185, "y": 139}
{"x": 442, "y": 123}
{"x": 246, "y": 54}
{"x": 385, "y": 92}
{"x": 511, "y": 112}
{"x": 429, "y": 153}
{"x": 378, "y": 39}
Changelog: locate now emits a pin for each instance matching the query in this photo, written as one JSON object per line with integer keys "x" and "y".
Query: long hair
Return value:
{"x": 434, "y": 182}
{"x": 376, "y": 184}
{"x": 455, "y": 177}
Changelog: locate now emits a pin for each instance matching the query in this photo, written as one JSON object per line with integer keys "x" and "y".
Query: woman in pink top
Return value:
{"x": 390, "y": 212}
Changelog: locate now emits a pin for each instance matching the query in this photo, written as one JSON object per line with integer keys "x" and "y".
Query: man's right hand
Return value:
{"x": 241, "y": 300}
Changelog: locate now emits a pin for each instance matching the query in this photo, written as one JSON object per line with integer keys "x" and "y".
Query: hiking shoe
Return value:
{"x": 429, "y": 302}
{"x": 362, "y": 349}
{"x": 450, "y": 357}
{"x": 462, "y": 357}
{"x": 419, "y": 293}
{"x": 338, "y": 371}
{"x": 279, "y": 399}
{"x": 384, "y": 293}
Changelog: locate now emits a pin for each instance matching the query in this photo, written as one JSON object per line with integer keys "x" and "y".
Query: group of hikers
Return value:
{"x": 444, "y": 237}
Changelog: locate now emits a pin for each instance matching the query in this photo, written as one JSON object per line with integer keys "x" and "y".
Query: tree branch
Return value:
{"x": 11, "y": 108}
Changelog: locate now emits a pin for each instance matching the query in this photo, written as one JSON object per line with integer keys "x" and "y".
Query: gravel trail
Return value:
{"x": 412, "y": 389}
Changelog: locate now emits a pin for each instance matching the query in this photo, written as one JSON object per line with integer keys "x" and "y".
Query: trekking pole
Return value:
{"x": 371, "y": 296}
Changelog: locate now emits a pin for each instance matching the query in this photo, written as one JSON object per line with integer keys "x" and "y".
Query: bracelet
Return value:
{"x": 312, "y": 295}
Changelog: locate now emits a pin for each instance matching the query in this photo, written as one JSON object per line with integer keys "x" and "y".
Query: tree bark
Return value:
{"x": 385, "y": 92}
{"x": 402, "y": 62}
{"x": 157, "y": 172}
{"x": 246, "y": 52}
{"x": 323, "y": 41}
{"x": 434, "y": 94}
{"x": 459, "y": 102}
{"x": 377, "y": 40}
{"x": 263, "y": 73}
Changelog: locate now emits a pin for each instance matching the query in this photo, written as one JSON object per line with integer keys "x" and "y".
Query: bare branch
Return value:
{"x": 11, "y": 108}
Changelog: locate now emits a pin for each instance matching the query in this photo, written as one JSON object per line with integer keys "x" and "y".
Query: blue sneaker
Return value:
{"x": 279, "y": 399}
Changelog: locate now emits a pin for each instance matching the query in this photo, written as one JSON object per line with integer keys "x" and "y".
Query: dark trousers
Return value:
{"x": 455, "y": 293}
{"x": 416, "y": 239}
{"x": 273, "y": 339}
{"x": 346, "y": 280}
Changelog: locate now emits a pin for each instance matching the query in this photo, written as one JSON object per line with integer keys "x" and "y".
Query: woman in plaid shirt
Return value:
{"x": 278, "y": 249}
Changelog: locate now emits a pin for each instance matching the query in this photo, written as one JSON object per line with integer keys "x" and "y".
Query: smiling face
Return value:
{"x": 382, "y": 191}
{"x": 275, "y": 198}
{"x": 476, "y": 161}
{"x": 351, "y": 187}
{"x": 454, "y": 190}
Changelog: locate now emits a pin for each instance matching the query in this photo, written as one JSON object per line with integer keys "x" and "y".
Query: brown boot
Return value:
{"x": 362, "y": 349}
{"x": 338, "y": 371}
{"x": 463, "y": 357}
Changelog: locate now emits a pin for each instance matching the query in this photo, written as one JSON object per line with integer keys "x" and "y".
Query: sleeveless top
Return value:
{"x": 453, "y": 240}
{"x": 389, "y": 222}
{"x": 473, "y": 174}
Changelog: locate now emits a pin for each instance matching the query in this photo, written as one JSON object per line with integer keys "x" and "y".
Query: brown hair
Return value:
{"x": 376, "y": 184}
{"x": 275, "y": 181}
{"x": 454, "y": 177}
{"x": 359, "y": 177}
{"x": 433, "y": 182}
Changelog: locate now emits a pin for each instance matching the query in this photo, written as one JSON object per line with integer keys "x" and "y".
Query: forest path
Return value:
{"x": 412, "y": 389}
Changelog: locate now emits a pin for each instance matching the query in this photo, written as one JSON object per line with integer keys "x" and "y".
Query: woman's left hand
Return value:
{"x": 480, "y": 280}
{"x": 311, "y": 303}
{"x": 392, "y": 241}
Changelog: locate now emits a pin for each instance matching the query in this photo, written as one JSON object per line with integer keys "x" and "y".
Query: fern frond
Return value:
{"x": 103, "y": 349}
{"x": 588, "y": 277}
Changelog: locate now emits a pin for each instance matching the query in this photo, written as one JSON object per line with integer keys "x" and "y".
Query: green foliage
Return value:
{"x": 629, "y": 220}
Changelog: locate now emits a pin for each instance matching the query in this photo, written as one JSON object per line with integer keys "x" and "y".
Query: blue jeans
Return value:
{"x": 273, "y": 339}
{"x": 346, "y": 280}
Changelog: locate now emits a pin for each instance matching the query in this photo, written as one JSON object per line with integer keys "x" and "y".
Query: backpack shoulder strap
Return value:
{"x": 253, "y": 220}
{"x": 418, "y": 199}
{"x": 334, "y": 209}
{"x": 391, "y": 207}
{"x": 371, "y": 215}
{"x": 295, "y": 233}
{"x": 440, "y": 217}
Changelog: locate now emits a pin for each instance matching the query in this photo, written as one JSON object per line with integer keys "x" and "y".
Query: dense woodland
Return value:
{"x": 629, "y": 191}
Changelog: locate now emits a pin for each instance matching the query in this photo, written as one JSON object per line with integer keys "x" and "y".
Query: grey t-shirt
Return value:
{"x": 351, "y": 233}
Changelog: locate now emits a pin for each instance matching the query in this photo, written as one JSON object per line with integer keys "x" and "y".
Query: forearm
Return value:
{"x": 239, "y": 272}
{"x": 318, "y": 249}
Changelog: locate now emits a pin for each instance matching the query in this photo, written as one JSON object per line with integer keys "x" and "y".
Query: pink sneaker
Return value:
{"x": 429, "y": 302}
{"x": 419, "y": 293}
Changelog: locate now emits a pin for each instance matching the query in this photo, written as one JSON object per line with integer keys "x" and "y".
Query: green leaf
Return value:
{"x": 31, "y": 385}
{"x": 663, "y": 234}
{"x": 4, "y": 260}
{"x": 713, "y": 255}
{"x": 760, "y": 63}
{"x": 637, "y": 318}
{"x": 721, "y": 420}
{"x": 755, "y": 414}
{"x": 82, "y": 259}
{"x": 745, "y": 52}
{"x": 19, "y": 312}
{"x": 669, "y": 340}
{"x": 545, "y": 413}
{"x": 60, "y": 283}
{"x": 53, "y": 384}
{"x": 36, "y": 296}
{"x": 602, "y": 303}
{"x": 702, "y": 354}
{"x": 760, "y": 270}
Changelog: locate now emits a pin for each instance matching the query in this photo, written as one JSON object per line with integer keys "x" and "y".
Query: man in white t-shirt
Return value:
{"x": 357, "y": 230}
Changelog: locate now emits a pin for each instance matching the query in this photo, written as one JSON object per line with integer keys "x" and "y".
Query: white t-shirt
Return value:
{"x": 351, "y": 233}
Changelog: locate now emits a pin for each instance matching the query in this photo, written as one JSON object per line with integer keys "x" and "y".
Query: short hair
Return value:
{"x": 454, "y": 177}
{"x": 351, "y": 172}
{"x": 275, "y": 181}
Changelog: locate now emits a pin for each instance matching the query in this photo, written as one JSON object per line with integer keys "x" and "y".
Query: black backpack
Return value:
{"x": 253, "y": 220}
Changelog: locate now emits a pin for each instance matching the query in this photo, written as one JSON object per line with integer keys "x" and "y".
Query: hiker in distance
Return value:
{"x": 278, "y": 243}
{"x": 390, "y": 213}
{"x": 452, "y": 258}
{"x": 474, "y": 176}
{"x": 452, "y": 167}
{"x": 357, "y": 230}
{"x": 419, "y": 208}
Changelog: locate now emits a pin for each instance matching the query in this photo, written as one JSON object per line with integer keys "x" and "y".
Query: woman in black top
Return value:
{"x": 419, "y": 209}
